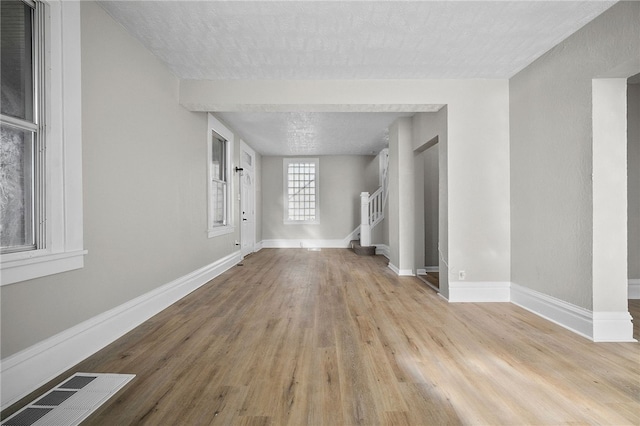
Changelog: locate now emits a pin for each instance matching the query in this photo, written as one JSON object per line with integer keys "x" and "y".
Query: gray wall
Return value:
{"x": 430, "y": 145}
{"x": 258, "y": 206}
{"x": 633, "y": 161}
{"x": 341, "y": 180}
{"x": 430, "y": 159}
{"x": 145, "y": 185}
{"x": 551, "y": 152}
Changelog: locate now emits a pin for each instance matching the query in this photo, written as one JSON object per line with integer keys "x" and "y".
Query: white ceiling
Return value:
{"x": 263, "y": 40}
{"x": 314, "y": 133}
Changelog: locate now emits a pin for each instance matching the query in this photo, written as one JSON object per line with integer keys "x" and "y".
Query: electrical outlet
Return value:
{"x": 462, "y": 275}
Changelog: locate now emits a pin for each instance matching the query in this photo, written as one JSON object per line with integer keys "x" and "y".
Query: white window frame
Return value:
{"x": 214, "y": 125}
{"x": 63, "y": 249}
{"x": 285, "y": 180}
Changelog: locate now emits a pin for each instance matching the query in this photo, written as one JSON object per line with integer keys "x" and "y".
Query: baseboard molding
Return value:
{"x": 426, "y": 269}
{"x": 596, "y": 326}
{"x": 612, "y": 327}
{"x": 257, "y": 247}
{"x": 295, "y": 243}
{"x": 33, "y": 367}
{"x": 384, "y": 250}
{"x": 401, "y": 272}
{"x": 634, "y": 289}
{"x": 479, "y": 291}
{"x": 312, "y": 243}
{"x": 572, "y": 317}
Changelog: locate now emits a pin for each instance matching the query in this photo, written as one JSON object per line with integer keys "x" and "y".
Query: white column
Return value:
{"x": 365, "y": 228}
{"x": 611, "y": 319}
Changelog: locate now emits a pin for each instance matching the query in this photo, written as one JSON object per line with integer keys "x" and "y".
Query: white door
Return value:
{"x": 247, "y": 199}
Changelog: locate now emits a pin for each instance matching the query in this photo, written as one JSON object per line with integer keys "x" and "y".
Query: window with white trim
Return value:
{"x": 220, "y": 148}
{"x": 21, "y": 122}
{"x": 219, "y": 184}
{"x": 41, "y": 140}
{"x": 301, "y": 189}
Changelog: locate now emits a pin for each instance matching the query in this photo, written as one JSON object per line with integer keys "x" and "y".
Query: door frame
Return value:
{"x": 244, "y": 147}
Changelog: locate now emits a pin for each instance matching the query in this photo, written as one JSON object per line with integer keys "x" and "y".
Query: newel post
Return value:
{"x": 365, "y": 229}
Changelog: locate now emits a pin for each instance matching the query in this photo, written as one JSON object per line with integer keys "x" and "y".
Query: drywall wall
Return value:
{"x": 633, "y": 184}
{"x": 341, "y": 180}
{"x": 477, "y": 153}
{"x": 145, "y": 183}
{"x": 258, "y": 206}
{"x": 430, "y": 202}
{"x": 431, "y": 193}
{"x": 552, "y": 155}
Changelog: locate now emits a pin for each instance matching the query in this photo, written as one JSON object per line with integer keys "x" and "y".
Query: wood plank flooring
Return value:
{"x": 297, "y": 337}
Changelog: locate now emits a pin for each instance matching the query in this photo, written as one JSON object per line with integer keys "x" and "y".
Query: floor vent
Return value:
{"x": 70, "y": 402}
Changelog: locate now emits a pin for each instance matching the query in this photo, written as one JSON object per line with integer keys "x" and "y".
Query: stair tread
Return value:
{"x": 362, "y": 250}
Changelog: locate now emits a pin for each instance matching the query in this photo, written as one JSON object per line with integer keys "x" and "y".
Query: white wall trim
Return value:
{"x": 572, "y": 317}
{"x": 634, "y": 289}
{"x": 257, "y": 247}
{"x": 215, "y": 125}
{"x": 312, "y": 243}
{"x": 33, "y": 367}
{"x": 401, "y": 272}
{"x": 39, "y": 265}
{"x": 596, "y": 326}
{"x": 302, "y": 243}
{"x": 479, "y": 291}
{"x": 612, "y": 327}
{"x": 383, "y": 250}
{"x": 63, "y": 249}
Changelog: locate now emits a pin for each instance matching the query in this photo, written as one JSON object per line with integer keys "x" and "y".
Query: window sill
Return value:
{"x": 19, "y": 267}
{"x": 220, "y": 230}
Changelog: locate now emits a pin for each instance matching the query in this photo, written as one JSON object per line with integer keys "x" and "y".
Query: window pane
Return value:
{"x": 218, "y": 158}
{"x": 246, "y": 157}
{"x": 16, "y": 62}
{"x": 300, "y": 181}
{"x": 218, "y": 198}
{"x": 16, "y": 187}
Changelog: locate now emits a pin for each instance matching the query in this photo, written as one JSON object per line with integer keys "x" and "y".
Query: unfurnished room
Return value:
{"x": 319, "y": 212}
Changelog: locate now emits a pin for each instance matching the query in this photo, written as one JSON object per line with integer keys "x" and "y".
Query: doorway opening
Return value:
{"x": 429, "y": 273}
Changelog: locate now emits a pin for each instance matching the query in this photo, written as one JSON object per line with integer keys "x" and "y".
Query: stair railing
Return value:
{"x": 372, "y": 206}
{"x": 371, "y": 213}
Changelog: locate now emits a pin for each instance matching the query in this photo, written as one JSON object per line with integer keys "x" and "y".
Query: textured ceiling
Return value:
{"x": 350, "y": 40}
{"x": 303, "y": 40}
{"x": 314, "y": 133}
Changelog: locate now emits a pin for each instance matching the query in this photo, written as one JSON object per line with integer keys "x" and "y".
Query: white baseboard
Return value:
{"x": 295, "y": 243}
{"x": 596, "y": 326}
{"x": 383, "y": 250}
{"x": 634, "y": 289}
{"x": 312, "y": 243}
{"x": 612, "y": 327}
{"x": 33, "y": 367}
{"x": 572, "y": 317}
{"x": 479, "y": 291}
{"x": 257, "y": 247}
{"x": 423, "y": 271}
{"x": 401, "y": 272}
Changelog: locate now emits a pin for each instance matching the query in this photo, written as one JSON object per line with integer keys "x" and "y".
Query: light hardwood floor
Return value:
{"x": 302, "y": 337}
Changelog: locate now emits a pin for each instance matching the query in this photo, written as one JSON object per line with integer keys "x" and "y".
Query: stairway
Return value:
{"x": 372, "y": 208}
{"x": 362, "y": 251}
